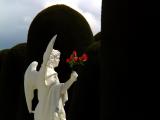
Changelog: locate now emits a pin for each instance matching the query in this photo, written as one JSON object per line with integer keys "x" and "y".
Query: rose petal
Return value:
{"x": 75, "y": 59}
{"x": 84, "y": 57}
{"x": 67, "y": 60}
{"x": 75, "y": 53}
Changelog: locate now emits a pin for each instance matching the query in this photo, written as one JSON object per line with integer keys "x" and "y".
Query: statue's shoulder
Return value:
{"x": 51, "y": 71}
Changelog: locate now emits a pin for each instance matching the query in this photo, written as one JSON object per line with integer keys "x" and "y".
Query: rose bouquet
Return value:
{"x": 74, "y": 61}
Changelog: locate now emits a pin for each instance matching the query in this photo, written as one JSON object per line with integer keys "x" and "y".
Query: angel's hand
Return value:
{"x": 74, "y": 76}
{"x": 69, "y": 82}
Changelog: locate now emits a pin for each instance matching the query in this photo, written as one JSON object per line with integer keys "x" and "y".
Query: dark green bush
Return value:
{"x": 11, "y": 80}
{"x": 98, "y": 37}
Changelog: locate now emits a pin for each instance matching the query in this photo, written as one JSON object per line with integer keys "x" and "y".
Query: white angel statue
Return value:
{"x": 52, "y": 94}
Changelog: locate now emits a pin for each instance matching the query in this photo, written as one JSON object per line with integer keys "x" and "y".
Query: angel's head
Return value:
{"x": 54, "y": 59}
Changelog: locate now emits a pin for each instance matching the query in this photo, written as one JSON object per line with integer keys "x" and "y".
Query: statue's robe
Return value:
{"x": 51, "y": 101}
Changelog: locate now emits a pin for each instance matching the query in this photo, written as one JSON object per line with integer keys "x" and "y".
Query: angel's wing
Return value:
{"x": 30, "y": 78}
{"x": 48, "y": 51}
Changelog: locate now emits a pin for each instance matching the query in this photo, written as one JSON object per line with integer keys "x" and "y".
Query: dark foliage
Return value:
{"x": 129, "y": 86}
{"x": 85, "y": 97}
{"x": 3, "y": 55}
{"x": 114, "y": 89}
{"x": 11, "y": 81}
{"x": 3, "y": 58}
{"x": 98, "y": 36}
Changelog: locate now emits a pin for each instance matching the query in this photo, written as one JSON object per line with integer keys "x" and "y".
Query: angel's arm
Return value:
{"x": 67, "y": 85}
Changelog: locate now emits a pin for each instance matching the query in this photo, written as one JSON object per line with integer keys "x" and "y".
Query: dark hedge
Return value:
{"x": 85, "y": 97}
{"x": 71, "y": 27}
{"x": 98, "y": 36}
{"x": 11, "y": 80}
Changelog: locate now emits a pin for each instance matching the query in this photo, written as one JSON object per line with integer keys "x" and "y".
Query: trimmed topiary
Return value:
{"x": 98, "y": 37}
{"x": 73, "y": 33}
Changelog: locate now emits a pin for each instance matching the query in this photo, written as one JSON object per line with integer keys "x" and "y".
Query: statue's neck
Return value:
{"x": 50, "y": 72}
{"x": 51, "y": 69}
{"x": 50, "y": 66}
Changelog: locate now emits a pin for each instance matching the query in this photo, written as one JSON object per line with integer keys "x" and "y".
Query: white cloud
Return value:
{"x": 15, "y": 18}
{"x": 92, "y": 22}
{"x": 17, "y": 15}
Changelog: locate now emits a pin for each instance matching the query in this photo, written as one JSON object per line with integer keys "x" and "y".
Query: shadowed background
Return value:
{"x": 73, "y": 33}
{"x": 121, "y": 96}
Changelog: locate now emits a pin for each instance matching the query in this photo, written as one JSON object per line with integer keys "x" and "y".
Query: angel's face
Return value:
{"x": 54, "y": 59}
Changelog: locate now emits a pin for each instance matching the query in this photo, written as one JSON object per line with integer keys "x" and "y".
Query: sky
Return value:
{"x": 17, "y": 15}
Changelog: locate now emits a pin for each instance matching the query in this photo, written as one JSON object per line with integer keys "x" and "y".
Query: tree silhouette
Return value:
{"x": 11, "y": 80}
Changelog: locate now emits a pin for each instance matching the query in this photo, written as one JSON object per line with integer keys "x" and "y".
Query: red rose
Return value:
{"x": 67, "y": 60}
{"x": 84, "y": 57}
{"x": 74, "y": 53}
{"x": 71, "y": 57}
{"x": 75, "y": 59}
{"x": 80, "y": 58}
